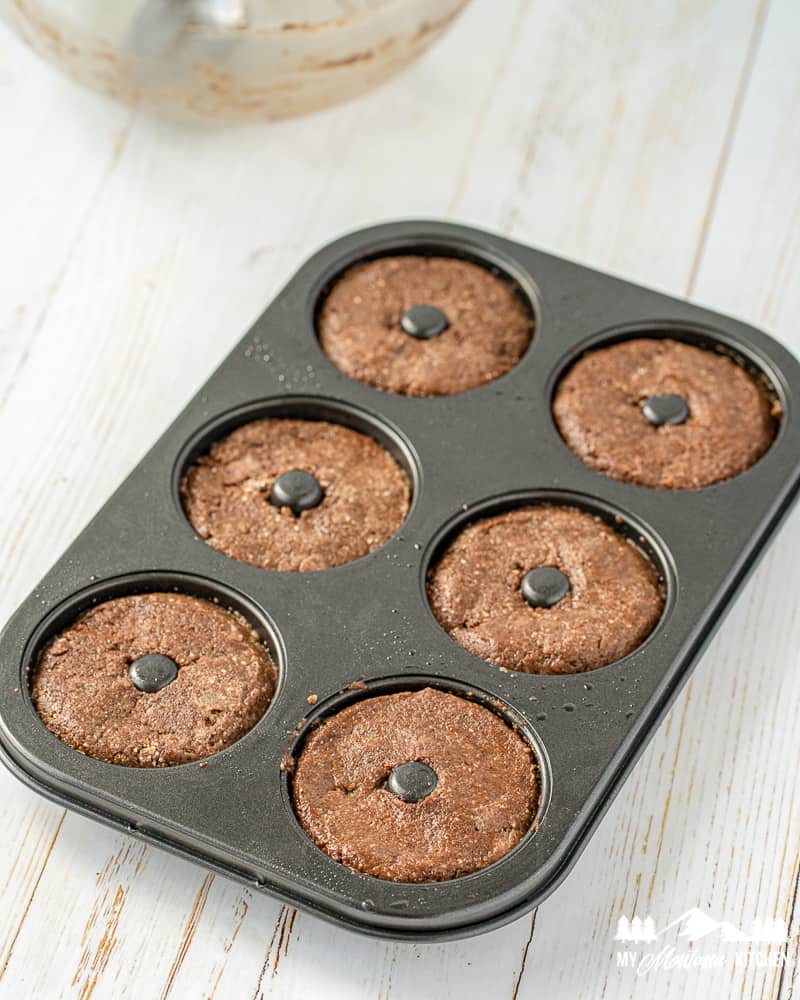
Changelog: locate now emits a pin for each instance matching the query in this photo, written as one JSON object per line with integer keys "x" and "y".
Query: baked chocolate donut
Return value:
{"x": 424, "y": 326}
{"x": 418, "y": 786}
{"x": 546, "y": 590}
{"x": 664, "y": 413}
{"x": 295, "y": 495}
{"x": 152, "y": 680}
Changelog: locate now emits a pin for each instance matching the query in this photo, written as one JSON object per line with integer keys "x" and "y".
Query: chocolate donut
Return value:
{"x": 353, "y": 496}
{"x": 221, "y": 681}
{"x": 610, "y": 410}
{"x": 424, "y": 326}
{"x": 418, "y": 786}
{"x": 608, "y": 602}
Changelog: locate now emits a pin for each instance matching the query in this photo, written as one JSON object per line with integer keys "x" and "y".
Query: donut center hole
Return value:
{"x": 544, "y": 586}
{"x": 297, "y": 489}
{"x": 424, "y": 322}
{"x": 152, "y": 672}
{"x": 412, "y": 781}
{"x": 665, "y": 408}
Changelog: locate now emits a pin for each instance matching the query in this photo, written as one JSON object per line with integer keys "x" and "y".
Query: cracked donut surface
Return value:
{"x": 598, "y": 409}
{"x": 489, "y": 325}
{"x": 484, "y": 801}
{"x": 226, "y": 495}
{"x": 83, "y": 693}
{"x": 614, "y": 602}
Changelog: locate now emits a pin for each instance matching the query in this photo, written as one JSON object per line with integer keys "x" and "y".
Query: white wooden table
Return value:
{"x": 659, "y": 141}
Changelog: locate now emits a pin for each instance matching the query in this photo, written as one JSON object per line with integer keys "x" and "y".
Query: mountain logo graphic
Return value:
{"x": 694, "y": 925}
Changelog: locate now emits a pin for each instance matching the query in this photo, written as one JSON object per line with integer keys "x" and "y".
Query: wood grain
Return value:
{"x": 657, "y": 141}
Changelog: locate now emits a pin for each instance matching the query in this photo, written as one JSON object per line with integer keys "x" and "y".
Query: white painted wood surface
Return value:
{"x": 660, "y": 141}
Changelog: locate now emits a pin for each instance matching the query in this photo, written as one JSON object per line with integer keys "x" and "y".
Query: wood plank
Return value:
{"x": 759, "y": 214}
{"x": 50, "y": 186}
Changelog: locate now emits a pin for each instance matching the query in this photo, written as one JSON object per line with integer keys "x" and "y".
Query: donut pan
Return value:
{"x": 366, "y": 627}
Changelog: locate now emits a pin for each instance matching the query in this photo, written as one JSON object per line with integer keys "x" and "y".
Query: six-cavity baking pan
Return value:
{"x": 366, "y": 627}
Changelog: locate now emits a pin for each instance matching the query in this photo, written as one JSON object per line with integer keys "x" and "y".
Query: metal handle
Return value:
{"x": 164, "y": 29}
{"x": 225, "y": 15}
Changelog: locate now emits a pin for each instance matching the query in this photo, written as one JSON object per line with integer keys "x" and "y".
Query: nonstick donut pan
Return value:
{"x": 364, "y": 628}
